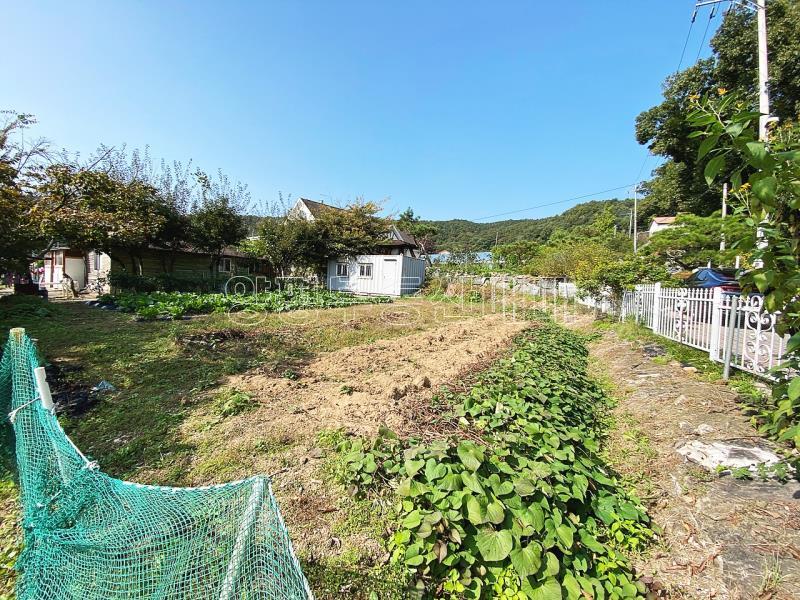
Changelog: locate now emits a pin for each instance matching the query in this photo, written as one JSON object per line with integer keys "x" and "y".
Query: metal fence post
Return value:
{"x": 656, "y": 306}
{"x": 716, "y": 321}
{"x": 731, "y": 330}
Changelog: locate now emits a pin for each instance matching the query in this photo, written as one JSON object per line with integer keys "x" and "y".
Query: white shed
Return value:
{"x": 377, "y": 274}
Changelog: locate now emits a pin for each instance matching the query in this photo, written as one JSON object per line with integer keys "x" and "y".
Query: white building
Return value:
{"x": 395, "y": 268}
{"x": 660, "y": 224}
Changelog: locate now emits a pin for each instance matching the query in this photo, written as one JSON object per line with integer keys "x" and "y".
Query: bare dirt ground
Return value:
{"x": 357, "y": 389}
{"x": 722, "y": 538}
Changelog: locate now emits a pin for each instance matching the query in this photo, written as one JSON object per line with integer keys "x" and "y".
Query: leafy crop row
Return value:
{"x": 175, "y": 305}
{"x": 521, "y": 505}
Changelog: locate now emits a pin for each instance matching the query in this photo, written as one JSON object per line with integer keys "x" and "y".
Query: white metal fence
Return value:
{"x": 731, "y": 328}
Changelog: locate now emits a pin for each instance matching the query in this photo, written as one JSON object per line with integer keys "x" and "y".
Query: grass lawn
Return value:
{"x": 166, "y": 372}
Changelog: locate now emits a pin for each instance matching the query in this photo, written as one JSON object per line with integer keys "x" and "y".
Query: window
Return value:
{"x": 225, "y": 265}
{"x": 341, "y": 270}
{"x": 365, "y": 270}
{"x": 95, "y": 261}
{"x": 59, "y": 258}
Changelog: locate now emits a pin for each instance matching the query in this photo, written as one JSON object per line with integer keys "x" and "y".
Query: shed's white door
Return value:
{"x": 391, "y": 276}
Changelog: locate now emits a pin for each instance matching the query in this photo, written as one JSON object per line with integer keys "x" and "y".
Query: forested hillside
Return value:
{"x": 459, "y": 234}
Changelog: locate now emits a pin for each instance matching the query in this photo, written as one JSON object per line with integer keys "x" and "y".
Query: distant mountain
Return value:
{"x": 459, "y": 234}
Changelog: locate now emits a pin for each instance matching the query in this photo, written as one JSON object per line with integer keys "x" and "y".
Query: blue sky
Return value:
{"x": 458, "y": 109}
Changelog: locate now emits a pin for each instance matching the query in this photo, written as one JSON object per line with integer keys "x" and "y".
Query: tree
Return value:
{"x": 617, "y": 276}
{"x": 19, "y": 237}
{"x": 516, "y": 255}
{"x": 695, "y": 241}
{"x": 285, "y": 243}
{"x": 355, "y": 230}
{"x": 175, "y": 187}
{"x": 216, "y": 220}
{"x": 769, "y": 201}
{"x": 424, "y": 232}
{"x": 90, "y": 209}
{"x": 733, "y": 66}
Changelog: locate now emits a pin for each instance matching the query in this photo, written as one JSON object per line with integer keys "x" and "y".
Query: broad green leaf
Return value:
{"x": 494, "y": 545}
{"x": 794, "y": 389}
{"x": 765, "y": 188}
{"x": 552, "y": 566}
{"x": 434, "y": 470}
{"x": 412, "y": 520}
{"x": 525, "y": 486}
{"x": 549, "y": 590}
{"x": 413, "y": 466}
{"x": 471, "y": 482}
{"x": 450, "y": 482}
{"x": 714, "y": 166}
{"x": 591, "y": 542}
{"x": 572, "y": 586}
{"x": 495, "y": 512}
{"x": 527, "y": 560}
{"x": 565, "y": 535}
{"x": 476, "y": 511}
{"x": 471, "y": 456}
{"x": 410, "y": 487}
{"x": 708, "y": 144}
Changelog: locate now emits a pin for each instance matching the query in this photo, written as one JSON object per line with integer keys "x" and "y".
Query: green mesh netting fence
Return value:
{"x": 89, "y": 536}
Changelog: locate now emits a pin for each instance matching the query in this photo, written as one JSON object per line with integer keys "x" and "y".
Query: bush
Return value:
{"x": 175, "y": 305}
{"x": 124, "y": 281}
{"x": 20, "y": 306}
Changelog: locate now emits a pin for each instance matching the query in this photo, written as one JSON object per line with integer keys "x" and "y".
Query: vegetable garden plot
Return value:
{"x": 90, "y": 536}
{"x": 520, "y": 505}
{"x": 175, "y": 305}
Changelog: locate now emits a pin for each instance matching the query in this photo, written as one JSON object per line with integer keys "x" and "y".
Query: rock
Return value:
{"x": 691, "y": 369}
{"x": 703, "y": 429}
{"x": 729, "y": 455}
{"x": 680, "y": 399}
{"x": 317, "y": 453}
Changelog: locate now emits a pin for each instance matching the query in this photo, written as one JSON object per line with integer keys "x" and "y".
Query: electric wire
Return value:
{"x": 512, "y": 212}
{"x": 686, "y": 42}
{"x": 711, "y": 16}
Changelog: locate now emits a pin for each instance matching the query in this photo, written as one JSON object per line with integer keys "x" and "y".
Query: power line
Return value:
{"x": 711, "y": 16}
{"x": 512, "y": 212}
{"x": 686, "y": 42}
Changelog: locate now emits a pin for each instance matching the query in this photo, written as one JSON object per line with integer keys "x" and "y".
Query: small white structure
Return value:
{"x": 395, "y": 268}
{"x": 660, "y": 224}
{"x": 377, "y": 274}
{"x": 84, "y": 267}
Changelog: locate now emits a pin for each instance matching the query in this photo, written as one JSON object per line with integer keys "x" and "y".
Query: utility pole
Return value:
{"x": 635, "y": 217}
{"x": 724, "y": 214}
{"x": 760, "y": 6}
{"x": 763, "y": 72}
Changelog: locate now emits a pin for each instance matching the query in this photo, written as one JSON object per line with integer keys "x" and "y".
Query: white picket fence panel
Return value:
{"x": 701, "y": 318}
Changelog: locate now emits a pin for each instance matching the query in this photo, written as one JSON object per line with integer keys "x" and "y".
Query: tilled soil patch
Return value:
{"x": 357, "y": 389}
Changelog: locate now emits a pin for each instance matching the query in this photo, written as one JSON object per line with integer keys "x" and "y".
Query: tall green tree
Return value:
{"x": 732, "y": 66}
{"x": 216, "y": 219}
{"x": 423, "y": 231}
{"x": 695, "y": 241}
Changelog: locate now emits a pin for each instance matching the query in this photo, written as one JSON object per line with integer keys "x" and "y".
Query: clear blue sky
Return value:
{"x": 458, "y": 109}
